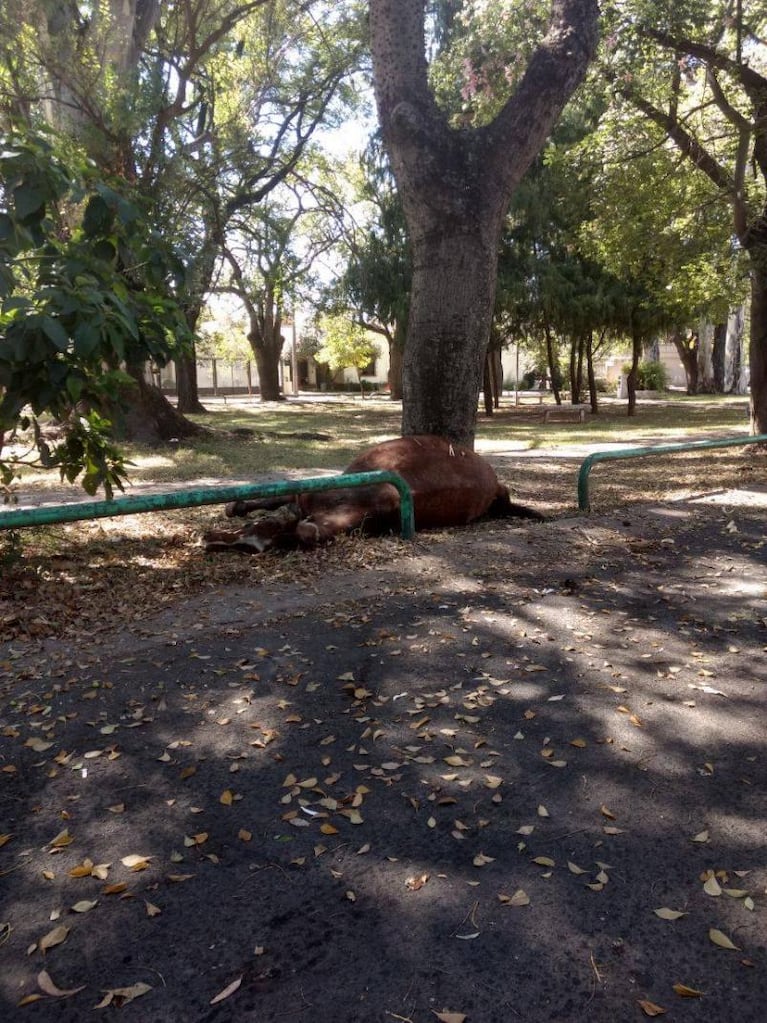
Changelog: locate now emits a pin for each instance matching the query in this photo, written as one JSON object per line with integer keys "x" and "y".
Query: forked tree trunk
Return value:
{"x": 455, "y": 188}
{"x": 687, "y": 350}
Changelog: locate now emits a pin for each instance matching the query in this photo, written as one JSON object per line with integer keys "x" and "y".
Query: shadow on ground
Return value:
{"x": 460, "y": 782}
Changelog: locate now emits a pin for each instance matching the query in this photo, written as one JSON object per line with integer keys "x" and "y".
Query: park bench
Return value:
{"x": 566, "y": 414}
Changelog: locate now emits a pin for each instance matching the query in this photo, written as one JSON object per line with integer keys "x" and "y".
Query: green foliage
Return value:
{"x": 651, "y": 376}
{"x": 377, "y": 280}
{"x": 344, "y": 344}
{"x": 85, "y": 288}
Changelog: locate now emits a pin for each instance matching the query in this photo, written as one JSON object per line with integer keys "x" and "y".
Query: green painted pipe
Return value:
{"x": 659, "y": 449}
{"x": 194, "y": 497}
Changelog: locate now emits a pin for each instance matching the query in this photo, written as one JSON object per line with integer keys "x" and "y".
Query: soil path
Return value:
{"x": 504, "y": 773}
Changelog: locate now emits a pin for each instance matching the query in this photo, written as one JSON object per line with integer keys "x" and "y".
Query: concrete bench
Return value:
{"x": 566, "y": 414}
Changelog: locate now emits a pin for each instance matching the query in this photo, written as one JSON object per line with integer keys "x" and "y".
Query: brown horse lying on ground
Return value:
{"x": 451, "y": 486}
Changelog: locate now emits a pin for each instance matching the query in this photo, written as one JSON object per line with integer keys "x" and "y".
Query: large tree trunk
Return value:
{"x": 719, "y": 357}
{"x": 451, "y": 305}
{"x": 455, "y": 188}
{"x": 150, "y": 418}
{"x": 267, "y": 355}
{"x": 757, "y": 348}
{"x": 687, "y": 350}
{"x": 187, "y": 393}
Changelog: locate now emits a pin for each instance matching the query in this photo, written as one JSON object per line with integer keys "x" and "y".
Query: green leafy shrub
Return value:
{"x": 651, "y": 376}
{"x": 85, "y": 288}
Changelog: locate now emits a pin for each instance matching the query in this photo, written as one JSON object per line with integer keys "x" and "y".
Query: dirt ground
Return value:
{"x": 509, "y": 772}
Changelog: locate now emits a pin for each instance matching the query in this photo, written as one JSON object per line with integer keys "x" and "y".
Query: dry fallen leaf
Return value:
{"x": 29, "y": 999}
{"x": 519, "y": 898}
{"x": 122, "y": 995}
{"x": 720, "y": 938}
{"x": 668, "y": 914}
{"x": 84, "y": 906}
{"x": 449, "y": 1017}
{"x": 46, "y": 985}
{"x": 61, "y": 840}
{"x": 414, "y": 883}
{"x": 687, "y": 992}
{"x": 712, "y": 887}
{"x": 136, "y": 862}
{"x": 83, "y": 869}
{"x": 228, "y": 990}
{"x": 54, "y": 937}
{"x": 650, "y": 1008}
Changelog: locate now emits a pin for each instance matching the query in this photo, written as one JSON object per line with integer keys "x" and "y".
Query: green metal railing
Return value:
{"x": 195, "y": 497}
{"x": 660, "y": 449}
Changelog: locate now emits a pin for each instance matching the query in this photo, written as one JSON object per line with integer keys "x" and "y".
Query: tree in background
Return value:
{"x": 696, "y": 73}
{"x": 377, "y": 280}
{"x": 270, "y": 261}
{"x": 345, "y": 345}
{"x": 200, "y": 108}
{"x": 659, "y": 231}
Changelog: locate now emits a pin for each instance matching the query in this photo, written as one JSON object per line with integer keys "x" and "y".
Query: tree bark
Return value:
{"x": 719, "y": 357}
{"x": 552, "y": 364}
{"x": 267, "y": 356}
{"x": 592, "y": 378}
{"x": 633, "y": 377}
{"x": 150, "y": 418}
{"x": 396, "y": 354}
{"x": 187, "y": 393}
{"x": 757, "y": 348}
{"x": 687, "y": 350}
{"x": 455, "y": 188}
{"x": 451, "y": 308}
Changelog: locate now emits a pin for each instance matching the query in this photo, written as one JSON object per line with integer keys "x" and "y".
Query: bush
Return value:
{"x": 651, "y": 376}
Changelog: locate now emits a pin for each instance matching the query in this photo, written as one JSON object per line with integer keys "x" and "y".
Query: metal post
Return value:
{"x": 660, "y": 449}
{"x": 195, "y": 497}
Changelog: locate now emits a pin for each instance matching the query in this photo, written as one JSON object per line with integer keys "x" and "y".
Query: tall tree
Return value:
{"x": 269, "y": 258}
{"x": 696, "y": 72}
{"x": 455, "y": 185}
{"x": 376, "y": 283}
{"x": 202, "y": 107}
